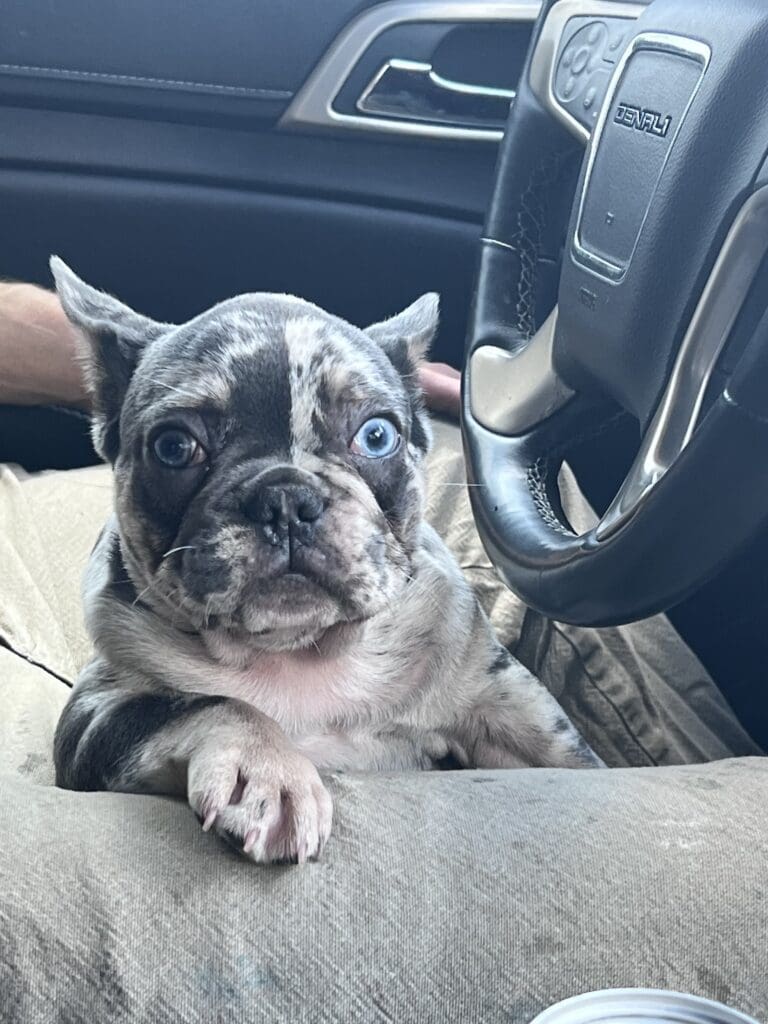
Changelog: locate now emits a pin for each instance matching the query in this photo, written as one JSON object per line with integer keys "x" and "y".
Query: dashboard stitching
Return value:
{"x": 110, "y": 79}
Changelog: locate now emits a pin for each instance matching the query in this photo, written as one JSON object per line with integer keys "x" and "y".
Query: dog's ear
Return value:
{"x": 406, "y": 337}
{"x": 115, "y": 338}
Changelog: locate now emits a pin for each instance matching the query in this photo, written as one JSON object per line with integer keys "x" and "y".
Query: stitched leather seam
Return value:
{"x": 536, "y": 474}
{"x": 112, "y": 79}
{"x": 531, "y": 218}
{"x": 531, "y": 215}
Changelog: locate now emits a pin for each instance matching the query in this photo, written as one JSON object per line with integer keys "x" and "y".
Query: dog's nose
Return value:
{"x": 286, "y": 510}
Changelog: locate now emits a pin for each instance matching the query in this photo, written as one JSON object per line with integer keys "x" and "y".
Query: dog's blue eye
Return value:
{"x": 376, "y": 439}
{"x": 177, "y": 449}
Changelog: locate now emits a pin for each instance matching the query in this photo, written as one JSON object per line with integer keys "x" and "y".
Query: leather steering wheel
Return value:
{"x": 625, "y": 277}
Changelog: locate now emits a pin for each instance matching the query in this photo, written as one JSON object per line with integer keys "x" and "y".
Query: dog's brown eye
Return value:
{"x": 177, "y": 449}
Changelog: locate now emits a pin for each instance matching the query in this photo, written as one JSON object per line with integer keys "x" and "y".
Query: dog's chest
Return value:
{"x": 301, "y": 692}
{"x": 338, "y": 712}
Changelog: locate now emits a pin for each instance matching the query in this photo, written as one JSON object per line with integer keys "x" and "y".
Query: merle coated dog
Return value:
{"x": 267, "y": 600}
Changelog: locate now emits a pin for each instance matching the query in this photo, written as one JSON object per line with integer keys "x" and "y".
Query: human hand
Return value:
{"x": 442, "y": 387}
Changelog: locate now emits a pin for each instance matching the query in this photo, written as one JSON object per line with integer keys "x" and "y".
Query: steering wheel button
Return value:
{"x": 589, "y": 97}
{"x": 581, "y": 60}
{"x": 584, "y": 62}
{"x": 595, "y": 33}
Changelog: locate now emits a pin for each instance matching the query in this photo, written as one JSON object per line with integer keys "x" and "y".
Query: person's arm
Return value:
{"x": 38, "y": 349}
{"x": 39, "y": 365}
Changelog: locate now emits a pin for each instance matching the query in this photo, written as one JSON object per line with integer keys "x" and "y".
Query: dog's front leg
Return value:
{"x": 234, "y": 765}
{"x": 514, "y": 722}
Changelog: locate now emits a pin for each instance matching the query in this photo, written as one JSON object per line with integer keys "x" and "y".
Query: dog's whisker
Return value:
{"x": 183, "y": 547}
{"x": 170, "y": 387}
{"x": 140, "y": 595}
{"x": 174, "y": 599}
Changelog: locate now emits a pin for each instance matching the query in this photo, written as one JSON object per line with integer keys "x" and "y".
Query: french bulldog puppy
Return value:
{"x": 268, "y": 600}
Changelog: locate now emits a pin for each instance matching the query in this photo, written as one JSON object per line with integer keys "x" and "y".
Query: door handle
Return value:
{"x": 414, "y": 91}
{"x": 320, "y": 104}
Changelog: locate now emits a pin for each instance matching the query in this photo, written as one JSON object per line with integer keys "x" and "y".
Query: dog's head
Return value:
{"x": 266, "y": 455}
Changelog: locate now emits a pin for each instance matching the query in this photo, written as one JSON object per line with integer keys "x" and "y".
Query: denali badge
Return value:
{"x": 648, "y": 121}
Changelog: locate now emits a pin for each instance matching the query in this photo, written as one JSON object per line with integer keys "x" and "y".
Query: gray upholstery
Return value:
{"x": 476, "y": 897}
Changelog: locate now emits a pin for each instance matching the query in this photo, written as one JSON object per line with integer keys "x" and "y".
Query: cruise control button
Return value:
{"x": 585, "y": 64}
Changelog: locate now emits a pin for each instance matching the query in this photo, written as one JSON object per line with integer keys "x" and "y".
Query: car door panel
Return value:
{"x": 436, "y": 177}
{"x": 185, "y": 91}
{"x": 187, "y": 246}
{"x": 253, "y": 54}
{"x": 147, "y": 142}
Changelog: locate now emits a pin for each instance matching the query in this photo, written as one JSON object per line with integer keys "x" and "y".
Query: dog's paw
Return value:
{"x": 272, "y": 808}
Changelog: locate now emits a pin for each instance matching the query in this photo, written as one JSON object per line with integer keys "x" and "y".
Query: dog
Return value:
{"x": 267, "y": 601}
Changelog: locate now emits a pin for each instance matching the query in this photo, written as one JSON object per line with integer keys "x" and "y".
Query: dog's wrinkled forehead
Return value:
{"x": 274, "y": 359}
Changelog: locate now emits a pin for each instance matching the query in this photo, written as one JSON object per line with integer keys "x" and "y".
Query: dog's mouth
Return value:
{"x": 289, "y": 611}
{"x": 292, "y": 587}
{"x": 292, "y": 603}
{"x": 252, "y": 590}
{"x": 299, "y": 595}
{"x": 296, "y": 581}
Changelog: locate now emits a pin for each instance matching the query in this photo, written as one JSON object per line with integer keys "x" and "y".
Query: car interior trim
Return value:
{"x": 140, "y": 81}
{"x": 312, "y": 107}
{"x": 677, "y": 414}
{"x": 512, "y": 391}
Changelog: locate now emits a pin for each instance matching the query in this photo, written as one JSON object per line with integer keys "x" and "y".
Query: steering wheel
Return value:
{"x": 627, "y": 277}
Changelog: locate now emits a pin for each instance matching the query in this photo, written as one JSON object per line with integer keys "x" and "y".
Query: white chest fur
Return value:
{"x": 330, "y": 707}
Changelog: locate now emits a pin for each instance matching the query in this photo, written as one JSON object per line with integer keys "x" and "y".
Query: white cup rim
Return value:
{"x": 609, "y": 1006}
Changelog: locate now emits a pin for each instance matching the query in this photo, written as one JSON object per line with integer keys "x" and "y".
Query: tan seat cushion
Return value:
{"x": 49, "y": 523}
